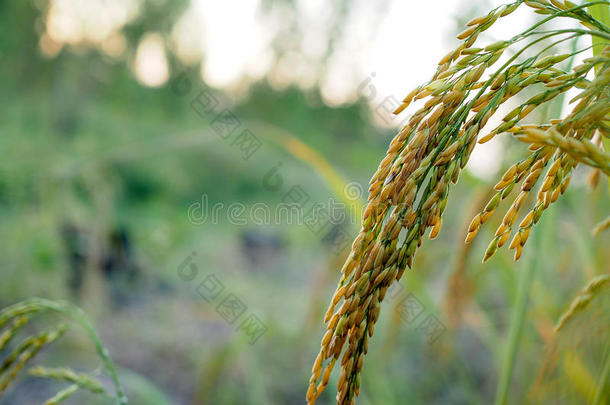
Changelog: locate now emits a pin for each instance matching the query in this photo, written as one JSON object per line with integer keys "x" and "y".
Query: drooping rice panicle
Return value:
{"x": 20, "y": 313}
{"x": 583, "y": 299}
{"x": 14, "y": 363}
{"x": 408, "y": 192}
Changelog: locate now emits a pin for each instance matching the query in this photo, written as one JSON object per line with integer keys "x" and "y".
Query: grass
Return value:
{"x": 21, "y": 312}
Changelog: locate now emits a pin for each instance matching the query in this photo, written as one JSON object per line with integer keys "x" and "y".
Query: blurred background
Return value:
{"x": 148, "y": 145}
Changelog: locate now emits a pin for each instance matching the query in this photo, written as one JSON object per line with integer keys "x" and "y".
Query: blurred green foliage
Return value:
{"x": 96, "y": 177}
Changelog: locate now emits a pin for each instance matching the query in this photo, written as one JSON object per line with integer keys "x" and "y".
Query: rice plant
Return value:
{"x": 409, "y": 191}
{"x": 15, "y": 317}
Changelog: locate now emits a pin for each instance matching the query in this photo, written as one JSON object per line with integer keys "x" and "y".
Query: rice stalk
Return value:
{"x": 327, "y": 172}
{"x": 602, "y": 13}
{"x": 461, "y": 287}
{"x": 579, "y": 375}
{"x": 517, "y": 324}
{"x": 409, "y": 190}
{"x": 603, "y": 380}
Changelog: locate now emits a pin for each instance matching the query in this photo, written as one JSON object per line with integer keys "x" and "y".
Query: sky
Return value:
{"x": 381, "y": 54}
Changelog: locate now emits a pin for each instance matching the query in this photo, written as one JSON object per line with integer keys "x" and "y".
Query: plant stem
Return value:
{"x": 600, "y": 12}
{"x": 517, "y": 323}
{"x": 602, "y": 380}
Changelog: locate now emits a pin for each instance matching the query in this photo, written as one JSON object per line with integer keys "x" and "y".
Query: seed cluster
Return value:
{"x": 561, "y": 145}
{"x": 14, "y": 363}
{"x": 408, "y": 193}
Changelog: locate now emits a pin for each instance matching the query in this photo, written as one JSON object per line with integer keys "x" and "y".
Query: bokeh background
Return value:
{"x": 119, "y": 188}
